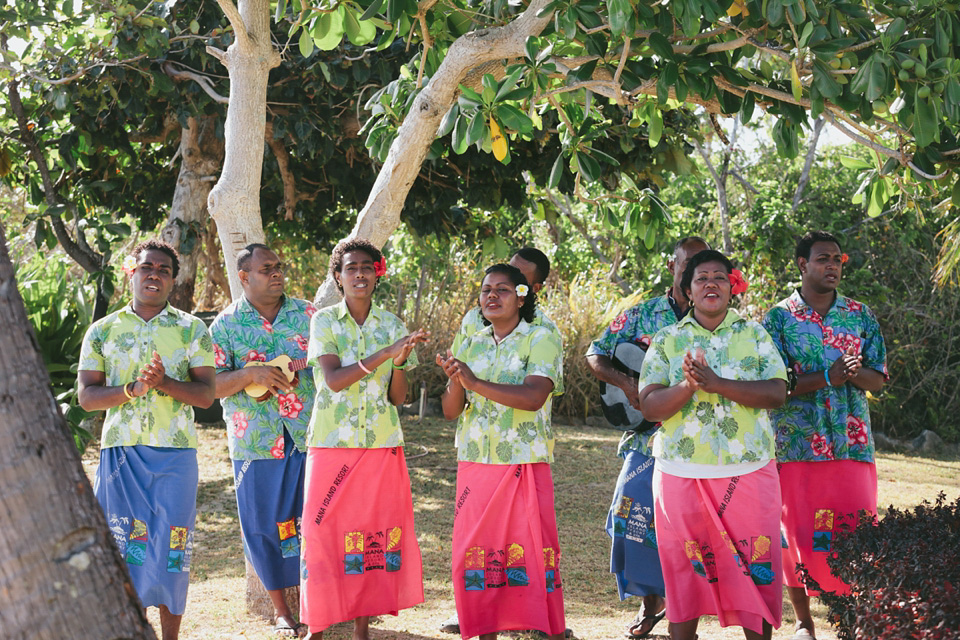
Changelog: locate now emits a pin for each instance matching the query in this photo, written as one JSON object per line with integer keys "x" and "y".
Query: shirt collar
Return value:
{"x": 247, "y": 307}
{"x": 732, "y": 317}
{"x": 521, "y": 329}
{"x": 375, "y": 312}
{"x": 796, "y": 302}
{"x": 128, "y": 309}
{"x": 680, "y": 315}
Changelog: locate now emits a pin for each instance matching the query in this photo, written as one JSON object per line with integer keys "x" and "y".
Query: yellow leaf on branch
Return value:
{"x": 498, "y": 140}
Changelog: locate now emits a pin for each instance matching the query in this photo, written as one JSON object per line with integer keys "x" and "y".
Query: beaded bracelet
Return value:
{"x": 360, "y": 364}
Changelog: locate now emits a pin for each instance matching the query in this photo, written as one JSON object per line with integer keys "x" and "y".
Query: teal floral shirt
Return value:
{"x": 493, "y": 433}
{"x": 119, "y": 345}
{"x": 473, "y": 322}
{"x": 711, "y": 429}
{"x": 831, "y": 423}
{"x": 242, "y": 335}
{"x": 361, "y": 415}
{"x": 637, "y": 324}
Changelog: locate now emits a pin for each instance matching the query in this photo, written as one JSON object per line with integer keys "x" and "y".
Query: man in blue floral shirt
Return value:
{"x": 267, "y": 409}
{"x": 633, "y": 556}
{"x": 835, "y": 353}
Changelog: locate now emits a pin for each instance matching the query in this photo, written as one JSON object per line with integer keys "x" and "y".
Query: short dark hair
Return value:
{"x": 529, "y": 307}
{"x": 346, "y": 246}
{"x": 810, "y": 238}
{"x": 158, "y": 245}
{"x": 245, "y": 254}
{"x": 685, "y": 240}
{"x": 539, "y": 260}
{"x": 707, "y": 255}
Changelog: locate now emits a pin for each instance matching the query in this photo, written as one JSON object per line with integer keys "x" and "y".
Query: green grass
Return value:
{"x": 584, "y": 474}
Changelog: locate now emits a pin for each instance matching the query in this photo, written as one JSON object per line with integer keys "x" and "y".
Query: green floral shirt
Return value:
{"x": 711, "y": 429}
{"x": 473, "y": 322}
{"x": 361, "y": 415}
{"x": 493, "y": 433}
{"x": 119, "y": 345}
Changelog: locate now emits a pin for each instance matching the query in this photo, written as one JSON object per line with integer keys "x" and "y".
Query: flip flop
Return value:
{"x": 284, "y": 629}
{"x": 639, "y": 621}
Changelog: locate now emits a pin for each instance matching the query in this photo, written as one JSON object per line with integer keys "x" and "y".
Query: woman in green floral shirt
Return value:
{"x": 505, "y": 547}
{"x": 709, "y": 380}
{"x": 360, "y": 556}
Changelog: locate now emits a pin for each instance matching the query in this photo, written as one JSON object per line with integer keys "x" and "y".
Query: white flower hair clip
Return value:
{"x": 522, "y": 290}
{"x": 129, "y": 265}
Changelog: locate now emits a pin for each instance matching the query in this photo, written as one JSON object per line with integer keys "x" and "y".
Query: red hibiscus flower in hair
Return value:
{"x": 738, "y": 284}
{"x": 844, "y": 259}
{"x": 380, "y": 266}
{"x": 618, "y": 322}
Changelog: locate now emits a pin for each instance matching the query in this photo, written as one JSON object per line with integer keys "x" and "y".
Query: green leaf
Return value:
{"x": 477, "y": 128}
{"x": 372, "y": 10}
{"x": 876, "y": 82}
{"x": 556, "y": 172}
{"x": 589, "y": 167}
{"x": 774, "y": 12}
{"x": 507, "y": 84}
{"x": 854, "y": 163}
{"x": 514, "y": 119}
{"x": 746, "y": 108}
{"x": 328, "y": 30}
{"x": 446, "y": 125}
{"x": 305, "y": 43}
{"x": 655, "y": 128}
{"x": 660, "y": 45}
{"x": 926, "y": 125}
{"x": 459, "y": 140}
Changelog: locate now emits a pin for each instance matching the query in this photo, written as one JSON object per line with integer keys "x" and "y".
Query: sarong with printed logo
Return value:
{"x": 634, "y": 559}
{"x": 506, "y": 552}
{"x": 149, "y": 496}
{"x": 820, "y": 500}
{"x": 270, "y": 501}
{"x": 360, "y": 555}
{"x": 719, "y": 547}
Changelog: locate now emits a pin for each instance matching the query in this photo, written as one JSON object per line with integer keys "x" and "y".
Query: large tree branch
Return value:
{"x": 381, "y": 214}
{"x": 280, "y": 152}
{"x": 79, "y": 251}
{"x": 205, "y": 83}
{"x": 808, "y": 164}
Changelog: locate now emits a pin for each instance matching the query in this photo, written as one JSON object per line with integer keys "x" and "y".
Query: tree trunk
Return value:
{"x": 61, "y": 576}
{"x": 380, "y": 216}
{"x": 234, "y": 202}
{"x": 202, "y": 157}
{"x": 808, "y": 164}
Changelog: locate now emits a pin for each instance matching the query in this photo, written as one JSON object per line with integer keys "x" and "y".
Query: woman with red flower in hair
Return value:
{"x": 360, "y": 553}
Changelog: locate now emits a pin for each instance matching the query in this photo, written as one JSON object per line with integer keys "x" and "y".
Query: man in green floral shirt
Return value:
{"x": 836, "y": 354}
{"x": 146, "y": 365}
{"x": 267, "y": 434}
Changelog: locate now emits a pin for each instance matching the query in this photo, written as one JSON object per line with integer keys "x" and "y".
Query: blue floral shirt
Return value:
{"x": 637, "y": 325}
{"x": 831, "y": 423}
{"x": 242, "y": 335}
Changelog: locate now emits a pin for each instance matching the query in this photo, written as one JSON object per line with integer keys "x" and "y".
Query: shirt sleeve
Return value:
{"x": 546, "y": 355}
{"x": 607, "y": 343}
{"x": 656, "y": 364}
{"x": 772, "y": 365}
{"x": 873, "y": 349}
{"x": 200, "y": 349}
{"x": 322, "y": 339}
{"x": 223, "y": 352}
{"x": 468, "y": 326}
{"x": 91, "y": 352}
{"x": 773, "y": 324}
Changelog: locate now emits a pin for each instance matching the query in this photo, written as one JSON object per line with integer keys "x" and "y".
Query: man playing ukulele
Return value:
{"x": 266, "y": 409}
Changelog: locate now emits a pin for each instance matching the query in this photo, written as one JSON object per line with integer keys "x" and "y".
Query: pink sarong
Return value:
{"x": 820, "y": 499}
{"x": 718, "y": 540}
{"x": 360, "y": 555}
{"x": 506, "y": 552}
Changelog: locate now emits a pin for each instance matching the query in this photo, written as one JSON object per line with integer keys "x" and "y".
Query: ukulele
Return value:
{"x": 288, "y": 366}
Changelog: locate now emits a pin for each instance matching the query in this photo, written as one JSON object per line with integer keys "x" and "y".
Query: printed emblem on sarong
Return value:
{"x": 287, "y": 529}
{"x": 516, "y": 571}
{"x": 353, "y": 563}
{"x": 178, "y": 538}
{"x": 175, "y": 561}
{"x": 474, "y": 558}
{"x": 550, "y": 560}
{"x": 473, "y": 580}
{"x": 394, "y": 535}
{"x": 290, "y": 548}
{"x": 761, "y": 548}
{"x": 514, "y": 555}
{"x": 136, "y": 552}
{"x": 826, "y": 523}
{"x": 373, "y": 552}
{"x": 495, "y": 576}
{"x": 353, "y": 542}
{"x": 702, "y": 559}
{"x": 623, "y": 511}
{"x": 639, "y": 523}
{"x": 139, "y": 530}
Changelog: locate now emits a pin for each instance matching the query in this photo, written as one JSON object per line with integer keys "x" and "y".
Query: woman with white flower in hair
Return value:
{"x": 505, "y": 547}
{"x": 709, "y": 380}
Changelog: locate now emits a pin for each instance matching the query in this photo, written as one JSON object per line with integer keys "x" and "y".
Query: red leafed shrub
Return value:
{"x": 904, "y": 573}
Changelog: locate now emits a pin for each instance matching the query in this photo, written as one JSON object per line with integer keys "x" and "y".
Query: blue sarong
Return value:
{"x": 270, "y": 501}
{"x": 149, "y": 496}
{"x": 633, "y": 555}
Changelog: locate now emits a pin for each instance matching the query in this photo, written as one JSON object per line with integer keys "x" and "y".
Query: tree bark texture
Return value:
{"x": 380, "y": 216}
{"x": 234, "y": 202}
{"x": 62, "y": 575}
{"x": 201, "y": 153}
